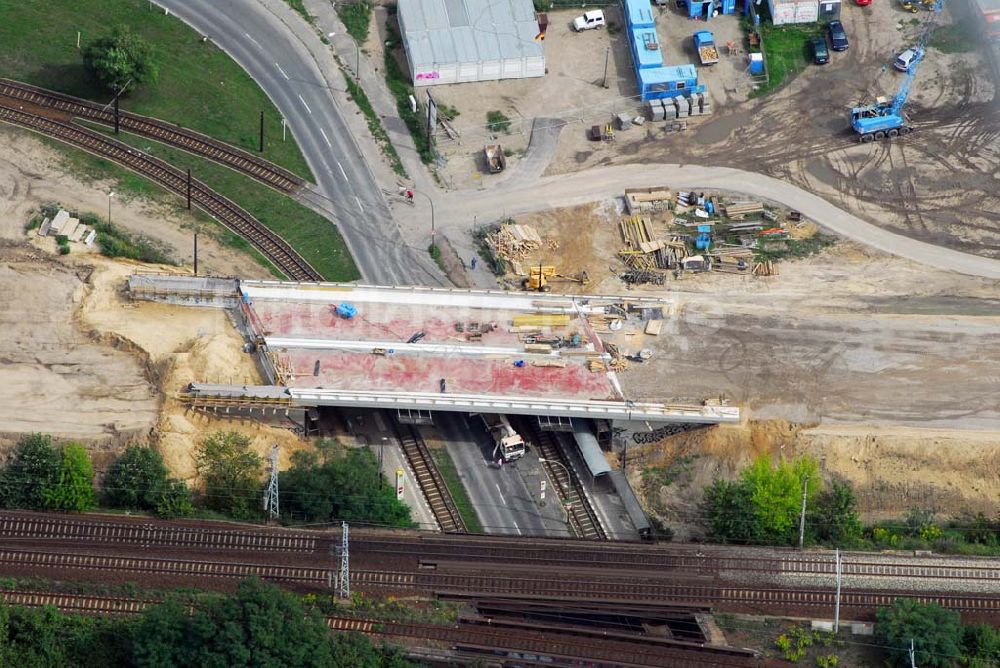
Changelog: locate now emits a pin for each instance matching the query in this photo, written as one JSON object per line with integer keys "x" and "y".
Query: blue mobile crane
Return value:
{"x": 885, "y": 118}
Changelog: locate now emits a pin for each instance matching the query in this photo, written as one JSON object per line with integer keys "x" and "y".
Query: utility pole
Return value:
{"x": 381, "y": 478}
{"x": 344, "y": 584}
{"x": 261, "y": 150}
{"x": 836, "y": 608}
{"x": 116, "y": 115}
{"x": 802, "y": 517}
{"x": 271, "y": 495}
{"x": 189, "y": 190}
{"x": 196, "y": 250}
{"x": 607, "y": 59}
{"x": 913, "y": 655}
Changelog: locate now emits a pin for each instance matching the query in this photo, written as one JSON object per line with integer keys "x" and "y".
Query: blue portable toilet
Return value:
{"x": 704, "y": 239}
{"x": 346, "y": 310}
{"x": 756, "y": 63}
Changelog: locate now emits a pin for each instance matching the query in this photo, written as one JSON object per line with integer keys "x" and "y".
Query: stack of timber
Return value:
{"x": 541, "y": 320}
{"x": 766, "y": 268}
{"x": 644, "y": 252}
{"x": 740, "y": 210}
{"x": 643, "y": 200}
{"x": 514, "y": 242}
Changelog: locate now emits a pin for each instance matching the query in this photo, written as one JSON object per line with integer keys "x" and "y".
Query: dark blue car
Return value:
{"x": 838, "y": 37}
{"x": 820, "y": 55}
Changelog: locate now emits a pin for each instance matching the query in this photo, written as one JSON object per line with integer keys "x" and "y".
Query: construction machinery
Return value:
{"x": 496, "y": 162}
{"x": 908, "y": 6}
{"x": 884, "y": 119}
{"x": 539, "y": 277}
{"x": 604, "y": 132}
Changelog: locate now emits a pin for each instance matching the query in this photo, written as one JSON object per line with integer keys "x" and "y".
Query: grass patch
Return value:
{"x": 401, "y": 89}
{"x": 314, "y": 237}
{"x": 786, "y": 49}
{"x": 299, "y": 7}
{"x": 357, "y": 16}
{"x": 116, "y": 242}
{"x": 375, "y": 126}
{"x": 199, "y": 87}
{"x": 957, "y": 37}
{"x": 793, "y": 248}
{"x": 454, "y": 484}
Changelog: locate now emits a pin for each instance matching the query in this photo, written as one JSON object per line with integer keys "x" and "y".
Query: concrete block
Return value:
{"x": 862, "y": 628}
{"x": 654, "y": 110}
{"x": 817, "y": 625}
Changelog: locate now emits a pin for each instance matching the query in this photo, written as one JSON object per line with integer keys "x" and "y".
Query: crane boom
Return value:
{"x": 884, "y": 118}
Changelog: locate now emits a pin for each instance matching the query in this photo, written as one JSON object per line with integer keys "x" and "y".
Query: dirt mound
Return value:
{"x": 891, "y": 469}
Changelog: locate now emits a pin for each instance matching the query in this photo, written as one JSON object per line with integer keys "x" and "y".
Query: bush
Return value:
{"x": 356, "y": 17}
{"x": 74, "y": 488}
{"x": 937, "y": 632}
{"x": 496, "y": 122}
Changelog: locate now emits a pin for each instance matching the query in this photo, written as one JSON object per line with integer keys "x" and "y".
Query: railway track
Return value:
{"x": 227, "y": 212}
{"x": 24, "y": 527}
{"x": 193, "y": 142}
{"x": 469, "y": 636}
{"x": 489, "y": 582}
{"x": 582, "y": 518}
{"x": 429, "y": 479}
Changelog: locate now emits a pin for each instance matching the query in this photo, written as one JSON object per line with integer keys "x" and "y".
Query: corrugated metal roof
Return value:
{"x": 441, "y": 32}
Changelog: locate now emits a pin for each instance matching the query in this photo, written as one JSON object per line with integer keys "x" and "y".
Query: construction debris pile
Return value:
{"x": 64, "y": 225}
{"x": 727, "y": 235}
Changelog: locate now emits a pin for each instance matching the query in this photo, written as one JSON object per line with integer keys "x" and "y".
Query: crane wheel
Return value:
{"x": 866, "y": 138}
{"x": 905, "y": 131}
{"x": 893, "y": 133}
{"x": 879, "y": 135}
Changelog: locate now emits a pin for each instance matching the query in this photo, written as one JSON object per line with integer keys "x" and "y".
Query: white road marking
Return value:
{"x": 281, "y": 70}
{"x": 360, "y": 205}
{"x": 345, "y": 178}
{"x": 304, "y": 104}
{"x": 327, "y": 140}
{"x": 253, "y": 40}
{"x": 497, "y": 485}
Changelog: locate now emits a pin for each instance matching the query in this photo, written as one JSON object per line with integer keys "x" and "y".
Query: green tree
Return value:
{"x": 340, "y": 486}
{"x": 121, "y": 61}
{"x": 174, "y": 499}
{"x": 74, "y": 489}
{"x": 981, "y": 643}
{"x": 232, "y": 474}
{"x": 136, "y": 479}
{"x": 33, "y": 469}
{"x": 776, "y": 495}
{"x": 729, "y": 513}
{"x": 936, "y": 632}
{"x": 834, "y": 518}
{"x": 260, "y": 625}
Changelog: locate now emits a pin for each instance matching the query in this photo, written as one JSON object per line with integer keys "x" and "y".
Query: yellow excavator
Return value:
{"x": 539, "y": 277}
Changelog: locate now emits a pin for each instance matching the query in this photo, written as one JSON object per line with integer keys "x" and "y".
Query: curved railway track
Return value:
{"x": 227, "y": 212}
{"x": 193, "y": 142}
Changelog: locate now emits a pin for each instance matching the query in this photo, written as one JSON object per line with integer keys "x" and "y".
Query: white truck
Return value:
{"x": 507, "y": 443}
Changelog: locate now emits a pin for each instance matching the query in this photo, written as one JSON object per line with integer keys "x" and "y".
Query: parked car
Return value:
{"x": 838, "y": 36}
{"x": 589, "y": 20}
{"x": 908, "y": 59}
{"x": 821, "y": 55}
{"x": 862, "y": 3}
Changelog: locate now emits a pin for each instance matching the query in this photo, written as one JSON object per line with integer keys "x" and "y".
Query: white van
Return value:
{"x": 908, "y": 58}
{"x": 589, "y": 21}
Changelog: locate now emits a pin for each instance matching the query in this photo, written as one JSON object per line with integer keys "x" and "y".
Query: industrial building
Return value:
{"x": 455, "y": 41}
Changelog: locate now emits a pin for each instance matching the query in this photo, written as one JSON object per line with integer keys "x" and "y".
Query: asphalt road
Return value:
{"x": 501, "y": 496}
{"x": 283, "y": 66}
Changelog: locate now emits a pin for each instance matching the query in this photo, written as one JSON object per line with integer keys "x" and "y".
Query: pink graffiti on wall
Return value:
{"x": 421, "y": 76}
